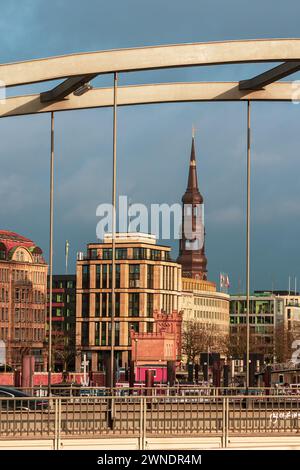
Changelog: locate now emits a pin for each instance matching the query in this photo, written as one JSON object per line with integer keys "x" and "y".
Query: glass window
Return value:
{"x": 97, "y": 334}
{"x": 98, "y": 276}
{"x": 85, "y": 333}
{"x": 104, "y": 276}
{"x": 149, "y": 327}
{"x": 117, "y": 333}
{"x": 85, "y": 305}
{"x": 97, "y": 305}
{"x": 118, "y": 276}
{"x": 134, "y": 304}
{"x": 85, "y": 276}
{"x": 150, "y": 270}
{"x": 104, "y": 304}
{"x": 150, "y": 305}
{"x": 139, "y": 253}
{"x": 121, "y": 253}
{"x": 134, "y": 275}
{"x": 107, "y": 253}
{"x": 109, "y": 304}
{"x": 93, "y": 253}
{"x": 156, "y": 255}
{"x": 103, "y": 333}
{"x": 117, "y": 304}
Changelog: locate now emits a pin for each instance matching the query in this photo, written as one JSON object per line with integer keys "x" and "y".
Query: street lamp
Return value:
{"x": 83, "y": 89}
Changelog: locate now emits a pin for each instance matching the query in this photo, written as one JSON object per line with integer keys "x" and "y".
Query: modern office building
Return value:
{"x": 147, "y": 279}
{"x": 63, "y": 320}
{"x": 200, "y": 302}
{"x": 23, "y": 297}
{"x": 274, "y": 323}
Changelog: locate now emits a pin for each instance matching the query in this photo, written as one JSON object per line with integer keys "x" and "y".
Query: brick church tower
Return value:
{"x": 192, "y": 244}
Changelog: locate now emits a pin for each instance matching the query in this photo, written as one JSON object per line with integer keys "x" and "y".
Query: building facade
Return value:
{"x": 201, "y": 303}
{"x": 63, "y": 321}
{"x": 23, "y": 297}
{"x": 274, "y": 323}
{"x": 146, "y": 280}
{"x": 156, "y": 349}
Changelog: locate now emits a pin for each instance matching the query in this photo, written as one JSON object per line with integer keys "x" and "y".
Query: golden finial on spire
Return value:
{"x": 193, "y": 131}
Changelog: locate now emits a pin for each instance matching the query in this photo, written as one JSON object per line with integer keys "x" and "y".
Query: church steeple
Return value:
{"x": 192, "y": 247}
{"x": 192, "y": 190}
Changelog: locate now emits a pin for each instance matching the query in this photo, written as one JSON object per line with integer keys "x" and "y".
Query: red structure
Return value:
{"x": 155, "y": 350}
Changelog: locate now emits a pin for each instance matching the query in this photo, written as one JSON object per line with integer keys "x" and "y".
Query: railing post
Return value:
{"x": 58, "y": 424}
{"x": 143, "y": 418}
{"x": 54, "y": 402}
{"x": 225, "y": 429}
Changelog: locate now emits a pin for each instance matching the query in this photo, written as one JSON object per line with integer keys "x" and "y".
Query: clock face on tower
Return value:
{"x": 193, "y": 245}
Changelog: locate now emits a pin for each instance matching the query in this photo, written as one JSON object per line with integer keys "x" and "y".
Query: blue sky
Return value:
{"x": 154, "y": 141}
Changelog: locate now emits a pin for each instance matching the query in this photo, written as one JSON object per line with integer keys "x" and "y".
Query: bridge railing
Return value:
{"x": 141, "y": 390}
{"x": 145, "y": 416}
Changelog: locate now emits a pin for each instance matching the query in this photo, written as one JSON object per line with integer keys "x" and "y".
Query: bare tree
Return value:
{"x": 63, "y": 350}
{"x": 198, "y": 338}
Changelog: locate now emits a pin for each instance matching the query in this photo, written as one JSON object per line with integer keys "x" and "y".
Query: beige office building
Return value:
{"x": 146, "y": 280}
{"x": 201, "y": 303}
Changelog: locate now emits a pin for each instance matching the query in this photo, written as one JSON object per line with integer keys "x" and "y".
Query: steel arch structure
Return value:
{"x": 77, "y": 69}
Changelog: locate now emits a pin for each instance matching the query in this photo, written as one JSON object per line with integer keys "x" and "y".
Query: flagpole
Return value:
{"x": 67, "y": 254}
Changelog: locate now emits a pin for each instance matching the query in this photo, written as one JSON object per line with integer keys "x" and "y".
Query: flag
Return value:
{"x": 67, "y": 248}
{"x": 67, "y": 254}
{"x": 224, "y": 281}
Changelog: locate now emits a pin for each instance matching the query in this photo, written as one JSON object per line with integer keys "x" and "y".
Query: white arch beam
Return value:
{"x": 126, "y": 60}
{"x": 150, "y": 94}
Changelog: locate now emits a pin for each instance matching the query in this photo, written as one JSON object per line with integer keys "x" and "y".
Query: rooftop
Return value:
{"x": 125, "y": 237}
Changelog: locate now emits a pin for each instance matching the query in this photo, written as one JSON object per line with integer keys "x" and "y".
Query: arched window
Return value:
{"x": 2, "y": 251}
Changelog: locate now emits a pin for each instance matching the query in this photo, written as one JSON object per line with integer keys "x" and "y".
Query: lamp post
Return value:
{"x": 208, "y": 366}
{"x": 51, "y": 254}
{"x": 113, "y": 254}
{"x": 248, "y": 244}
{"x": 136, "y": 356}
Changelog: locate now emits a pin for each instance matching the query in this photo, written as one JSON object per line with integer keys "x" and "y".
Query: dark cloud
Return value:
{"x": 154, "y": 141}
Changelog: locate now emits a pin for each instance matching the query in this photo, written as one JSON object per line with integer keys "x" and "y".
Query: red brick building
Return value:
{"x": 23, "y": 291}
{"x": 160, "y": 346}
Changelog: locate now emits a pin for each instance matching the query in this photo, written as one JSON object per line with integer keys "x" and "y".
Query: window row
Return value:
{"x": 102, "y": 335}
{"x": 29, "y": 334}
{"x": 104, "y": 276}
{"x": 29, "y": 315}
{"x": 137, "y": 253}
{"x": 103, "y": 305}
{"x": 210, "y": 302}
{"x": 210, "y": 315}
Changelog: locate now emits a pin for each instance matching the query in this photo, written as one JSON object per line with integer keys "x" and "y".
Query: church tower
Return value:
{"x": 192, "y": 244}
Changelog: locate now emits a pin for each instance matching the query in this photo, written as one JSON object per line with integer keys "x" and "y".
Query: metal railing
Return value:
{"x": 148, "y": 416}
{"x": 141, "y": 390}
